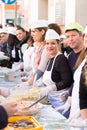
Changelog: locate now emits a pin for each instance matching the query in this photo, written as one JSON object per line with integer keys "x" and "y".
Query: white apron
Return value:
{"x": 75, "y": 92}
{"x": 15, "y": 64}
{"x": 27, "y": 59}
{"x": 54, "y": 96}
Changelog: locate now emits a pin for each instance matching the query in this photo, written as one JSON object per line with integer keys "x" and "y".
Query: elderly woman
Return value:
{"x": 57, "y": 77}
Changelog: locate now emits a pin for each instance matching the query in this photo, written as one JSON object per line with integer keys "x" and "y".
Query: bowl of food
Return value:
{"x": 23, "y": 110}
{"x": 23, "y": 123}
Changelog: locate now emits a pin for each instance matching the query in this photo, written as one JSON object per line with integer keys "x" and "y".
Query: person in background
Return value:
{"x": 25, "y": 42}
{"x": 57, "y": 77}
{"x": 64, "y": 45}
{"x": 74, "y": 37}
{"x": 3, "y": 48}
{"x": 13, "y": 51}
{"x": 3, "y": 57}
{"x": 24, "y": 37}
{"x": 1, "y": 26}
{"x": 2, "y": 54}
{"x": 55, "y": 27}
{"x": 9, "y": 25}
{"x": 39, "y": 56}
{"x": 6, "y": 110}
{"x": 83, "y": 84}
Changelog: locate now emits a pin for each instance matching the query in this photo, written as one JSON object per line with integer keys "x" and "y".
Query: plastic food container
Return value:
{"x": 33, "y": 123}
{"x": 9, "y": 76}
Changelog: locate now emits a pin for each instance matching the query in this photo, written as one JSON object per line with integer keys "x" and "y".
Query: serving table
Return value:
{"x": 52, "y": 120}
{"x": 13, "y": 80}
{"x": 48, "y": 117}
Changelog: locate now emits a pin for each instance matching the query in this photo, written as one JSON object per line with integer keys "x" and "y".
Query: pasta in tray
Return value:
{"x": 29, "y": 94}
{"x": 23, "y": 123}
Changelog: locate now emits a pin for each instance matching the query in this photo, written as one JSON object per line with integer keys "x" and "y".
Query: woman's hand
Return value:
{"x": 5, "y": 92}
{"x": 46, "y": 90}
{"x": 31, "y": 79}
{"x": 10, "y": 108}
{"x": 64, "y": 108}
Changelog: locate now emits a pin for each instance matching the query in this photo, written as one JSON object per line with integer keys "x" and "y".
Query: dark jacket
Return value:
{"x": 5, "y": 63}
{"x": 23, "y": 42}
{"x": 3, "y": 118}
{"x": 16, "y": 58}
{"x": 83, "y": 90}
{"x": 61, "y": 73}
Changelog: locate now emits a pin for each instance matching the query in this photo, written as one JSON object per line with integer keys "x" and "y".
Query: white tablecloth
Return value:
{"x": 52, "y": 120}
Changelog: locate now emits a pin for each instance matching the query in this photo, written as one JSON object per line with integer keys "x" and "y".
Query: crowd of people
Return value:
{"x": 56, "y": 61}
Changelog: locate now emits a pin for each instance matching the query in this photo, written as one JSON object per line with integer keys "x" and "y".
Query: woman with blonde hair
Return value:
{"x": 83, "y": 84}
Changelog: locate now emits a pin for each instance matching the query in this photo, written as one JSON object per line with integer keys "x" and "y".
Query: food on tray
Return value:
{"x": 22, "y": 110}
{"x": 23, "y": 104}
{"x": 29, "y": 94}
{"x": 21, "y": 124}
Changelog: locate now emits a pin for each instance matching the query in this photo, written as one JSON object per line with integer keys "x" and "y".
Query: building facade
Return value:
{"x": 59, "y": 11}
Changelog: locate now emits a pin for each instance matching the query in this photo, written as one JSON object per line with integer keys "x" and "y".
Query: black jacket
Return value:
{"x": 5, "y": 63}
{"x": 21, "y": 43}
{"x": 83, "y": 90}
{"x": 3, "y": 118}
